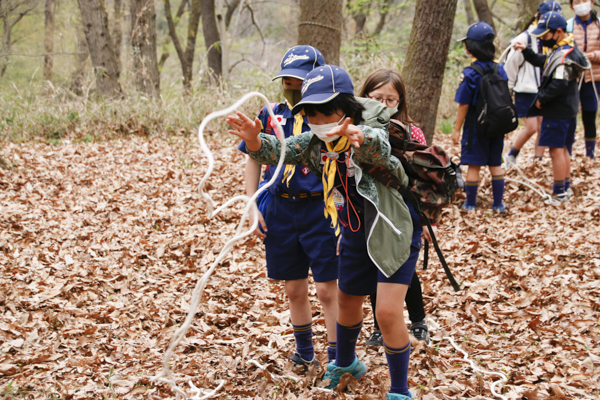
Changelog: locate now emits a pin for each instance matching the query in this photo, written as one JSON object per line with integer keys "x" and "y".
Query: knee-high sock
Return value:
{"x": 304, "y": 344}
{"x": 558, "y": 187}
{"x": 497, "y": 189}
{"x": 471, "y": 189}
{"x": 513, "y": 152}
{"x": 331, "y": 350}
{"x": 346, "y": 344}
{"x": 567, "y": 183}
{"x": 398, "y": 360}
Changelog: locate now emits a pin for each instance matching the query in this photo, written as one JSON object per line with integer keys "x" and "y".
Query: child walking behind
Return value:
{"x": 381, "y": 232}
{"x": 387, "y": 87}
{"x": 477, "y": 150}
{"x": 296, "y": 235}
{"x": 558, "y": 97}
{"x": 524, "y": 79}
{"x": 586, "y": 32}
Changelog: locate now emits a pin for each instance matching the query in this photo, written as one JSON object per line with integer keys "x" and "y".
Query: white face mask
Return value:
{"x": 583, "y": 9}
{"x": 322, "y": 130}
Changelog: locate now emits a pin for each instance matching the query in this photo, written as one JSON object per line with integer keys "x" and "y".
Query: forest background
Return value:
{"x": 223, "y": 48}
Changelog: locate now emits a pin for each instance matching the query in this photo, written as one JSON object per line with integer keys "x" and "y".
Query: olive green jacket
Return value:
{"x": 388, "y": 224}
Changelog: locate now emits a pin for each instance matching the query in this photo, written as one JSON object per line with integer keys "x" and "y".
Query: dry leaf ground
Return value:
{"x": 102, "y": 243}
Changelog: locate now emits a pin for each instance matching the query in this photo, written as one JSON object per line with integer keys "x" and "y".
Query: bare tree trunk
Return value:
{"x": 383, "y": 12}
{"x": 484, "y": 13}
{"x": 95, "y": 26}
{"x": 528, "y": 10}
{"x": 469, "y": 12}
{"x": 77, "y": 77}
{"x": 186, "y": 58}
{"x": 117, "y": 32}
{"x": 49, "y": 39}
{"x": 321, "y": 26}
{"x": 359, "y": 12}
{"x": 424, "y": 87}
{"x": 143, "y": 45}
{"x": 165, "y": 49}
{"x": 11, "y": 14}
{"x": 212, "y": 39}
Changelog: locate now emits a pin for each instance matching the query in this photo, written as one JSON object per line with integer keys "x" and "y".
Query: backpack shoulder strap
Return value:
{"x": 570, "y": 23}
{"x": 477, "y": 68}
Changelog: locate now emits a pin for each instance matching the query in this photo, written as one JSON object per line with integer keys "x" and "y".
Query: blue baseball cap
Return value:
{"x": 478, "y": 31}
{"x": 550, "y": 21}
{"x": 324, "y": 84}
{"x": 299, "y": 61}
{"x": 549, "y": 6}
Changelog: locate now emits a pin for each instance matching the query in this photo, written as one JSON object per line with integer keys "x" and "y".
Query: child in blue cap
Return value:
{"x": 558, "y": 96}
{"x": 524, "y": 79}
{"x": 381, "y": 232}
{"x": 585, "y": 27}
{"x": 477, "y": 150}
{"x": 296, "y": 236}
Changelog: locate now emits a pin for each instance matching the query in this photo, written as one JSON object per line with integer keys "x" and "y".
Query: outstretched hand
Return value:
{"x": 519, "y": 46}
{"x": 355, "y": 135}
{"x": 246, "y": 129}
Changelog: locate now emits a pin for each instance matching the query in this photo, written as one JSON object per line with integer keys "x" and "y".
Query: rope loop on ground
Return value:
{"x": 165, "y": 376}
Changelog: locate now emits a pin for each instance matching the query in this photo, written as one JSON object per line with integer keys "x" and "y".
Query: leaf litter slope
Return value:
{"x": 101, "y": 245}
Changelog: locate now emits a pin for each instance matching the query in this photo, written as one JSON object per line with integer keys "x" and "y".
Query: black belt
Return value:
{"x": 298, "y": 197}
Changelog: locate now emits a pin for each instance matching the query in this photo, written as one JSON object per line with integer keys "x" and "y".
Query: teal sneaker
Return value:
{"x": 357, "y": 369}
{"x": 398, "y": 396}
{"x": 467, "y": 207}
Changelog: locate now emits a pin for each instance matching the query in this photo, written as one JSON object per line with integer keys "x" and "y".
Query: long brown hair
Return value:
{"x": 384, "y": 76}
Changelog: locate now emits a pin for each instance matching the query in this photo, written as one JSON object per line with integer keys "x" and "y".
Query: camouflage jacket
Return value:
{"x": 388, "y": 223}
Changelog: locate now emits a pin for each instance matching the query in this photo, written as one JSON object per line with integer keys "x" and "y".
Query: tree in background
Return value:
{"x": 212, "y": 39}
{"x": 186, "y": 57}
{"x": 49, "y": 38}
{"x": 78, "y": 74}
{"x": 11, "y": 12}
{"x": 117, "y": 31}
{"x": 143, "y": 47}
{"x": 95, "y": 26}
{"x": 321, "y": 26}
{"x": 469, "y": 12}
{"x": 484, "y": 13}
{"x": 528, "y": 9}
{"x": 425, "y": 62}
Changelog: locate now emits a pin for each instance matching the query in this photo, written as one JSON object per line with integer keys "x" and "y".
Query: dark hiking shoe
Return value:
{"x": 302, "y": 363}
{"x": 376, "y": 339}
{"x": 420, "y": 332}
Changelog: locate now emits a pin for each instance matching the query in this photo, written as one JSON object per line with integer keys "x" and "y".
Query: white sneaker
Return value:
{"x": 511, "y": 161}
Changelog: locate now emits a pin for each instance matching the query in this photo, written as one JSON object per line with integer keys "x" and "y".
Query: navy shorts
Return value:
{"x": 483, "y": 151}
{"x": 587, "y": 97}
{"x": 558, "y": 133}
{"x": 299, "y": 237}
{"x": 523, "y": 102}
{"x": 358, "y": 275}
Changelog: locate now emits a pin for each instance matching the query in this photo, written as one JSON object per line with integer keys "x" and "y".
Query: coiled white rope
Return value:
{"x": 165, "y": 374}
{"x": 503, "y": 378}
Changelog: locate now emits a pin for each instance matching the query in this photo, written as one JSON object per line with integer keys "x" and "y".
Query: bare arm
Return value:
{"x": 460, "y": 120}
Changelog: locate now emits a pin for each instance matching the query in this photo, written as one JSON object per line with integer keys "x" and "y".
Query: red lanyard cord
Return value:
{"x": 347, "y": 194}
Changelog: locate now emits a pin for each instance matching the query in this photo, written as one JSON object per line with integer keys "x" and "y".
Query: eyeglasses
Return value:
{"x": 388, "y": 102}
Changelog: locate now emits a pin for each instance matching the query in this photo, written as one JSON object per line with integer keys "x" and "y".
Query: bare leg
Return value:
{"x": 539, "y": 150}
{"x": 530, "y": 126}
{"x": 349, "y": 309}
{"x": 473, "y": 173}
{"x": 559, "y": 164}
{"x": 390, "y": 313}
{"x": 297, "y": 293}
{"x": 327, "y": 293}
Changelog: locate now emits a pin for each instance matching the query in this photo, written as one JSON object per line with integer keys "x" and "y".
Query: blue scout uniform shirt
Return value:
{"x": 467, "y": 94}
{"x": 303, "y": 180}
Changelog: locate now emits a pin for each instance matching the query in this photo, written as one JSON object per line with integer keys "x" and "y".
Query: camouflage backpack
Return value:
{"x": 433, "y": 179}
{"x": 432, "y": 176}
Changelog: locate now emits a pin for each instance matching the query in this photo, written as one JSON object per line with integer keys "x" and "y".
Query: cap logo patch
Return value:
{"x": 294, "y": 57}
{"x": 310, "y": 81}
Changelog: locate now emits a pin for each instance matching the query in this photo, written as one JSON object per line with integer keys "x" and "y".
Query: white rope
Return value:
{"x": 165, "y": 374}
{"x": 503, "y": 378}
{"x": 528, "y": 182}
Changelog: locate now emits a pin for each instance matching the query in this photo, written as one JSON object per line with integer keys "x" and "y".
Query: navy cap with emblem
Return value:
{"x": 478, "y": 31}
{"x": 550, "y": 21}
{"x": 299, "y": 61}
{"x": 549, "y": 6}
{"x": 324, "y": 84}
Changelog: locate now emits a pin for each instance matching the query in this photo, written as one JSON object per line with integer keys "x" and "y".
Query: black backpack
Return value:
{"x": 495, "y": 112}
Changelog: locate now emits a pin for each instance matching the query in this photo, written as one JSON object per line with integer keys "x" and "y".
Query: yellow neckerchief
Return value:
{"x": 568, "y": 40}
{"x": 328, "y": 178}
{"x": 290, "y": 169}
